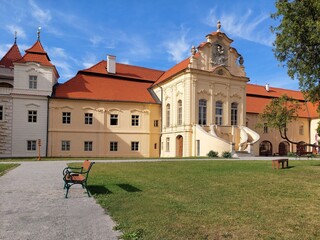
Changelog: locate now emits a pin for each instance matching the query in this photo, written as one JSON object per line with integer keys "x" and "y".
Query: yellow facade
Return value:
{"x": 71, "y": 133}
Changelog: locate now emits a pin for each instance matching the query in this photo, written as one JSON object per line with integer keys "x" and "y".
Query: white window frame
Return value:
{"x": 33, "y": 82}
{"x": 32, "y": 116}
{"x": 66, "y": 117}
{"x": 113, "y": 146}
{"x": 135, "y": 120}
{"x": 88, "y": 118}
{"x": 135, "y": 146}
{"x": 65, "y": 145}
{"x": 114, "y": 117}
{"x": 31, "y": 145}
{"x": 88, "y": 146}
{"x": 219, "y": 113}
{"x": 179, "y": 112}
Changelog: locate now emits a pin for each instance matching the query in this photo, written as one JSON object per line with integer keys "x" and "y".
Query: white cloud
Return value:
{"x": 178, "y": 47}
{"x": 14, "y": 28}
{"x": 247, "y": 26}
{"x": 42, "y": 16}
{"x": 89, "y": 60}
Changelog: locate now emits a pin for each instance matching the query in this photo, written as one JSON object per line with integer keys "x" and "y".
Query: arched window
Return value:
{"x": 301, "y": 129}
{"x": 219, "y": 112}
{"x": 168, "y": 115}
{"x": 234, "y": 113}
{"x": 179, "y": 112}
{"x": 203, "y": 112}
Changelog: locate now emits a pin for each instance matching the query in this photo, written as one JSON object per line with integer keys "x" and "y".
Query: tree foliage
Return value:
{"x": 297, "y": 43}
{"x": 279, "y": 113}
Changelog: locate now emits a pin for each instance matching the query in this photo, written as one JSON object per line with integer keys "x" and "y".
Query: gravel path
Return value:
{"x": 32, "y": 206}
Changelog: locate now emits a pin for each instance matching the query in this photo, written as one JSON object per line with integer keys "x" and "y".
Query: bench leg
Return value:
{"x": 67, "y": 191}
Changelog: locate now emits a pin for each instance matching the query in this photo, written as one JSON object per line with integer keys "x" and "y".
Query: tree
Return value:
{"x": 297, "y": 43}
{"x": 279, "y": 113}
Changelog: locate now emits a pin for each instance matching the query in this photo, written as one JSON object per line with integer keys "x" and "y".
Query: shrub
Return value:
{"x": 291, "y": 154}
{"x": 212, "y": 154}
{"x": 226, "y": 154}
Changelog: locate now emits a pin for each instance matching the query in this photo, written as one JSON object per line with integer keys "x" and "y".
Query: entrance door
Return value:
{"x": 179, "y": 144}
{"x": 283, "y": 148}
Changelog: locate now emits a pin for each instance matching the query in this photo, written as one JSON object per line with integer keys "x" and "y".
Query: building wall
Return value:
{"x": 294, "y": 133}
{"x": 23, "y": 131}
{"x": 6, "y": 124}
{"x": 101, "y": 132}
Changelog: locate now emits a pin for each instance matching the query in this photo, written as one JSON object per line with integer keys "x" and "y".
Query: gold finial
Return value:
{"x": 38, "y": 32}
{"x": 15, "y": 37}
{"x": 218, "y": 26}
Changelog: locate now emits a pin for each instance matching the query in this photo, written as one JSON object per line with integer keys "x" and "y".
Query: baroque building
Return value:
{"x": 114, "y": 110}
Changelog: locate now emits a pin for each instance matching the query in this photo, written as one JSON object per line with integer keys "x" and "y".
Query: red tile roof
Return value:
{"x": 130, "y": 83}
{"x": 127, "y": 71}
{"x": 12, "y": 55}
{"x": 174, "y": 70}
{"x": 37, "y": 54}
{"x": 258, "y": 97}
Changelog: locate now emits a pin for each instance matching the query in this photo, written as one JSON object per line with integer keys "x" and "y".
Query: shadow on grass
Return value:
{"x": 98, "y": 189}
{"x": 128, "y": 187}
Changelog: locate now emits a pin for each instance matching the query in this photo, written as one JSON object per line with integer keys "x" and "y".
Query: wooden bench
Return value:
{"x": 304, "y": 154}
{"x": 284, "y": 163}
{"x": 74, "y": 175}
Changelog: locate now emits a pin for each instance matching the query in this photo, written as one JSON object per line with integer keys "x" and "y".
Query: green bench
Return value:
{"x": 74, "y": 175}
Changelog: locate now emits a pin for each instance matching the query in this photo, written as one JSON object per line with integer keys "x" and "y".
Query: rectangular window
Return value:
{"x": 301, "y": 129}
{"x": 65, "y": 145}
{"x": 88, "y": 146}
{"x": 113, "y": 146}
{"x": 31, "y": 145}
{"x": 134, "y": 146}
{"x": 32, "y": 82}
{"x": 265, "y": 128}
{"x": 114, "y": 119}
{"x": 156, "y": 123}
{"x": 135, "y": 120}
{"x": 167, "y": 144}
{"x": 32, "y": 116}
{"x": 66, "y": 117}
{"x": 88, "y": 118}
{"x": 1, "y": 113}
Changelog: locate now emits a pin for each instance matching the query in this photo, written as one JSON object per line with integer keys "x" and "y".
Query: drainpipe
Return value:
{"x": 160, "y": 143}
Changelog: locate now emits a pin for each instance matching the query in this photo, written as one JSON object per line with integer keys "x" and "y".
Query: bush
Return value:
{"x": 291, "y": 154}
{"x": 226, "y": 154}
{"x": 212, "y": 154}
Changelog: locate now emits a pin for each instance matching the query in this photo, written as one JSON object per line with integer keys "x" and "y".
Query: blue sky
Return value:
{"x": 154, "y": 34}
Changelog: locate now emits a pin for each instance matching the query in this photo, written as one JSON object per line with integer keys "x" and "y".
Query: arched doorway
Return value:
{"x": 284, "y": 148}
{"x": 179, "y": 144}
{"x": 301, "y": 147}
{"x": 265, "y": 148}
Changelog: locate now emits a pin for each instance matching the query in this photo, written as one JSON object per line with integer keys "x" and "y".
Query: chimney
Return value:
{"x": 111, "y": 64}
{"x": 267, "y": 87}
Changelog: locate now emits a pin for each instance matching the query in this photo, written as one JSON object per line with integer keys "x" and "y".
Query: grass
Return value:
{"x": 210, "y": 199}
{"x": 6, "y": 167}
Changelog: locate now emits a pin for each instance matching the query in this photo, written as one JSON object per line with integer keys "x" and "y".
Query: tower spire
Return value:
{"x": 38, "y": 32}
{"x": 15, "y": 37}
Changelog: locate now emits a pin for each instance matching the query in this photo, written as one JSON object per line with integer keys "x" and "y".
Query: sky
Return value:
{"x": 77, "y": 34}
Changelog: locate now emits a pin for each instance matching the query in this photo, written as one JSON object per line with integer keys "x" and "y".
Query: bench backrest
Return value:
{"x": 86, "y": 166}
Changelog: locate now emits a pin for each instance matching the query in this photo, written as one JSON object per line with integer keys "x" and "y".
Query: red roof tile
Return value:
{"x": 12, "y": 55}
{"x": 130, "y": 83}
{"x": 257, "y": 99}
{"x": 174, "y": 70}
{"x": 37, "y": 54}
{"x": 127, "y": 71}
{"x": 253, "y": 89}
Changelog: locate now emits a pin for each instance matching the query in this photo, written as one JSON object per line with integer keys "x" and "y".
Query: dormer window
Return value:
{"x": 32, "y": 82}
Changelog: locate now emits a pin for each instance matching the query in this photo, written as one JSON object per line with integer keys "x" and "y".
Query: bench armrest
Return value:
{"x": 72, "y": 170}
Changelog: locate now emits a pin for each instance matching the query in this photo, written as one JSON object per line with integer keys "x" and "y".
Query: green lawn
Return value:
{"x": 6, "y": 167}
{"x": 210, "y": 199}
